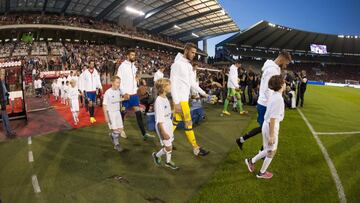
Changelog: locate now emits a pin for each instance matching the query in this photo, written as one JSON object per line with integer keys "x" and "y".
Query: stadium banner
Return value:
{"x": 311, "y": 82}
{"x": 341, "y": 85}
{"x": 53, "y": 74}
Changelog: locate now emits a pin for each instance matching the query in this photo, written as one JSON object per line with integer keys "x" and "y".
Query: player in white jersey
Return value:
{"x": 62, "y": 92}
{"x": 159, "y": 74}
{"x": 163, "y": 126}
{"x": 127, "y": 72}
{"x": 66, "y": 92}
{"x": 90, "y": 83}
{"x": 73, "y": 99}
{"x": 55, "y": 89}
{"x": 111, "y": 106}
{"x": 182, "y": 80}
{"x": 59, "y": 84}
{"x": 269, "y": 69}
{"x": 270, "y": 128}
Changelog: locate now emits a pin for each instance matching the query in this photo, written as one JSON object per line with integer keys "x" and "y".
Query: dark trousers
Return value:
{"x": 6, "y": 122}
{"x": 300, "y": 97}
{"x": 243, "y": 98}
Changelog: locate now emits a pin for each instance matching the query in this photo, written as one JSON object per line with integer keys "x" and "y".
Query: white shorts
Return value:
{"x": 169, "y": 129}
{"x": 115, "y": 120}
{"x": 266, "y": 134}
{"x": 56, "y": 92}
{"x": 74, "y": 105}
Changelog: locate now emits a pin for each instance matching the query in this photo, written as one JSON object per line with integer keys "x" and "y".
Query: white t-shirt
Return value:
{"x": 112, "y": 100}
{"x": 163, "y": 114}
{"x": 233, "y": 79}
{"x": 269, "y": 69}
{"x": 275, "y": 108}
{"x": 182, "y": 80}
{"x": 38, "y": 84}
{"x": 73, "y": 93}
{"x": 158, "y": 75}
{"x": 127, "y": 74}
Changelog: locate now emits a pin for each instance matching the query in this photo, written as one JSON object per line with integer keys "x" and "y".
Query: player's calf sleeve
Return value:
{"x": 140, "y": 122}
{"x": 91, "y": 111}
{"x": 252, "y": 133}
{"x": 259, "y": 156}
{"x": 239, "y": 105}
{"x": 115, "y": 137}
{"x": 190, "y": 135}
{"x": 226, "y": 104}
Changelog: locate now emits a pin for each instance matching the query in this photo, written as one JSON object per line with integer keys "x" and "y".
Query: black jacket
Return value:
{"x": 3, "y": 101}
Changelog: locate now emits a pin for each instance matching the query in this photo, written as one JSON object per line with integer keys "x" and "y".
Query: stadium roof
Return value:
{"x": 187, "y": 20}
{"x": 267, "y": 35}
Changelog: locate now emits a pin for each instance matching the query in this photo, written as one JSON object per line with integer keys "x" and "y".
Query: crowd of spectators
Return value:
{"x": 84, "y": 22}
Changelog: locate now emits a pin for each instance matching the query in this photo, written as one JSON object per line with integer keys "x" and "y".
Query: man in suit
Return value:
{"x": 3, "y": 100}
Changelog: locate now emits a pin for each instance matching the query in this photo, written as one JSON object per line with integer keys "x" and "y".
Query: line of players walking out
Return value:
{"x": 122, "y": 98}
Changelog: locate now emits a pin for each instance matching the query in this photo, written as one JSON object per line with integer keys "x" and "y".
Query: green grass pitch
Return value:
{"x": 80, "y": 165}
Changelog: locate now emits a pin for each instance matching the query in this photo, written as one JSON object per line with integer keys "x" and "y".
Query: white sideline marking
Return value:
{"x": 339, "y": 187}
{"x": 31, "y": 157}
{"x": 35, "y": 184}
{"x": 29, "y": 141}
{"x": 338, "y": 133}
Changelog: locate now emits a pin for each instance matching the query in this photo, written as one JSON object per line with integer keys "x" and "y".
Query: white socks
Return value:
{"x": 242, "y": 140}
{"x": 115, "y": 137}
{"x": 75, "y": 117}
{"x": 265, "y": 165}
{"x": 259, "y": 156}
{"x": 168, "y": 156}
{"x": 162, "y": 152}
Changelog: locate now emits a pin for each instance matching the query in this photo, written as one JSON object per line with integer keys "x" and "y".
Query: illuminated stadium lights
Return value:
{"x": 177, "y": 27}
{"x": 195, "y": 35}
{"x": 272, "y": 24}
{"x": 341, "y": 36}
{"x": 135, "y": 11}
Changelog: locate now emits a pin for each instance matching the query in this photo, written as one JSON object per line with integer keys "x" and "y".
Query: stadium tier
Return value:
{"x": 129, "y": 101}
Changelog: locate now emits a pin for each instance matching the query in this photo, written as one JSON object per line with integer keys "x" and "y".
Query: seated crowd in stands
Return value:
{"x": 84, "y": 22}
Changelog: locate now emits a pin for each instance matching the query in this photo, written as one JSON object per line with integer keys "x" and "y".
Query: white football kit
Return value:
{"x": 112, "y": 99}
{"x": 163, "y": 115}
{"x": 275, "y": 109}
{"x": 73, "y": 95}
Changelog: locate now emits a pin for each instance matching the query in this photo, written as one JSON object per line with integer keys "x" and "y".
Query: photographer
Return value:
{"x": 3, "y": 99}
{"x": 301, "y": 88}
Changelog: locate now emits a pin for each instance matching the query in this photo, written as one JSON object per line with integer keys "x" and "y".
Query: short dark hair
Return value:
{"x": 285, "y": 55}
{"x": 130, "y": 51}
{"x": 276, "y": 82}
{"x": 190, "y": 45}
